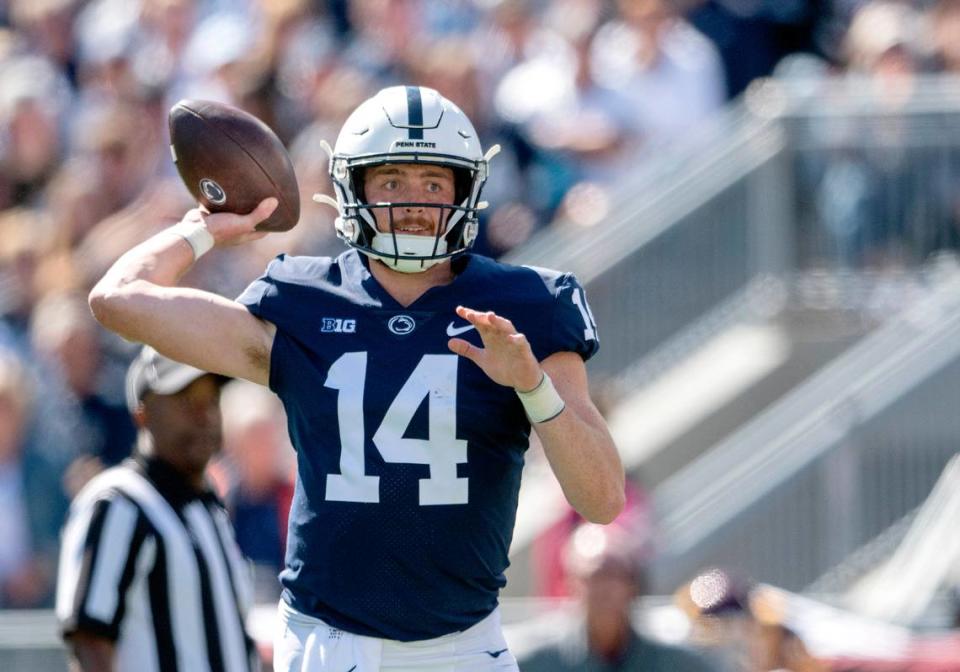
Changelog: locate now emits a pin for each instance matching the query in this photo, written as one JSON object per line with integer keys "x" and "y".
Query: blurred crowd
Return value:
{"x": 873, "y": 194}
{"x": 578, "y": 92}
{"x": 720, "y": 621}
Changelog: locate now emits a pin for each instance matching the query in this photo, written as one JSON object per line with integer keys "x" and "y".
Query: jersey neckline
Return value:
{"x": 373, "y": 287}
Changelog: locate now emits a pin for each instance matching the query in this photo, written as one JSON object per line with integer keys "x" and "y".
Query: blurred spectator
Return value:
{"x": 670, "y": 74}
{"x": 855, "y": 180}
{"x": 116, "y": 141}
{"x": 752, "y": 36}
{"x": 597, "y": 96}
{"x": 66, "y": 337}
{"x": 165, "y": 29}
{"x": 33, "y": 97}
{"x": 741, "y": 624}
{"x": 507, "y": 37}
{"x": 105, "y": 31}
{"x": 259, "y": 478}
{"x": 31, "y": 501}
{"x": 219, "y": 63}
{"x": 606, "y": 565}
{"x": 945, "y": 29}
{"x": 48, "y": 28}
{"x": 31, "y": 266}
{"x": 945, "y": 32}
{"x": 380, "y": 32}
{"x": 27, "y": 249}
{"x": 717, "y": 602}
{"x": 304, "y": 58}
{"x": 884, "y": 40}
{"x": 548, "y": 549}
{"x": 572, "y": 125}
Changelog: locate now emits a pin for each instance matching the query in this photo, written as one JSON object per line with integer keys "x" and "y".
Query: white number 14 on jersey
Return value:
{"x": 435, "y": 378}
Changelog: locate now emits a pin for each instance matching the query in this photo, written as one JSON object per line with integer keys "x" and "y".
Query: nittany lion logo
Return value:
{"x": 213, "y": 191}
{"x": 401, "y": 325}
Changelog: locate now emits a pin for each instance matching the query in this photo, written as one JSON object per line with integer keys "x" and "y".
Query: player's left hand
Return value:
{"x": 505, "y": 357}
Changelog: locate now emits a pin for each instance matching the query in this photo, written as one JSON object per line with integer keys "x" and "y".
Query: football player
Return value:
{"x": 412, "y": 372}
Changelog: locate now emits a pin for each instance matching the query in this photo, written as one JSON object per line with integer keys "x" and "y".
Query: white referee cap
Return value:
{"x": 152, "y": 372}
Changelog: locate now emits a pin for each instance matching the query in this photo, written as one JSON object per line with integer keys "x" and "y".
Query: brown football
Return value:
{"x": 230, "y": 161}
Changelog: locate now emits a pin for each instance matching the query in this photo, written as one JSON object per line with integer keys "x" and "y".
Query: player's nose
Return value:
{"x": 413, "y": 214}
{"x": 416, "y": 198}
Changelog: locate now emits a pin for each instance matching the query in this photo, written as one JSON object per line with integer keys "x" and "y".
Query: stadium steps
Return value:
{"x": 812, "y": 339}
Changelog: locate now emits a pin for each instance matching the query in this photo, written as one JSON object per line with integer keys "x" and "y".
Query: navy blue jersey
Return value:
{"x": 409, "y": 456}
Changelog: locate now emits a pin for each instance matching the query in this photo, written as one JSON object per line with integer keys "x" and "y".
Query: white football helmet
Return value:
{"x": 407, "y": 124}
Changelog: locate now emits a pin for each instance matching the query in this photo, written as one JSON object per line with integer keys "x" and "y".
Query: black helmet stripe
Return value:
{"x": 414, "y": 113}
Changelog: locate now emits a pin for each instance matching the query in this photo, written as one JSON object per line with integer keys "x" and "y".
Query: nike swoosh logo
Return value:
{"x": 456, "y": 331}
{"x": 496, "y": 654}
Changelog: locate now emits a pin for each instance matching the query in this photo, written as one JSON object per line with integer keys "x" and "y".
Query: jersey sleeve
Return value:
{"x": 572, "y": 328}
{"x": 259, "y": 297}
{"x": 102, "y": 542}
{"x": 278, "y": 296}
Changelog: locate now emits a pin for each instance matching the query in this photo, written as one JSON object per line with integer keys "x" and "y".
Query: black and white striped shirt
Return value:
{"x": 152, "y": 565}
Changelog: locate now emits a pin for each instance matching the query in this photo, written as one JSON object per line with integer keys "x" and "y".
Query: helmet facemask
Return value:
{"x": 455, "y": 225}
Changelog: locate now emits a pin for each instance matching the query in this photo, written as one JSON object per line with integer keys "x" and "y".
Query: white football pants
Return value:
{"x": 306, "y": 644}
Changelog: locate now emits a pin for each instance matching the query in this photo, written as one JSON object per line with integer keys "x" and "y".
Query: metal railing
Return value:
{"x": 685, "y": 237}
{"x": 29, "y": 640}
{"x": 901, "y": 588}
{"x": 830, "y": 466}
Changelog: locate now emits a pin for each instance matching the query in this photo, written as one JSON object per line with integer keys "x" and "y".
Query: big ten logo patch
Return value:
{"x": 337, "y": 325}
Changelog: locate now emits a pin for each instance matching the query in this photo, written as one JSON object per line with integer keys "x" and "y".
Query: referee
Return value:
{"x": 150, "y": 577}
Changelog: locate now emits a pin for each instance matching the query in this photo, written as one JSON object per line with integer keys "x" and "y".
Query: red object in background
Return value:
{"x": 548, "y": 549}
{"x": 284, "y": 494}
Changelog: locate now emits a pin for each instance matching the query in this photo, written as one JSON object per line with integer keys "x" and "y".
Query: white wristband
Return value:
{"x": 543, "y": 402}
{"x": 197, "y": 235}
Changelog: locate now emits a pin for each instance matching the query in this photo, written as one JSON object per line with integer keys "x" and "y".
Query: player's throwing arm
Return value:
{"x": 138, "y": 299}
{"x": 232, "y": 163}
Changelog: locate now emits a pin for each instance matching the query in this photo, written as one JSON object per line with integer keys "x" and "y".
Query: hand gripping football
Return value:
{"x": 230, "y": 161}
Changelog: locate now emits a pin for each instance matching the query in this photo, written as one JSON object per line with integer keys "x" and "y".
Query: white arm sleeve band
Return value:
{"x": 543, "y": 402}
{"x": 197, "y": 235}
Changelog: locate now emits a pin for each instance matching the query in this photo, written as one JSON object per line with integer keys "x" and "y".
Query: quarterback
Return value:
{"x": 412, "y": 373}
